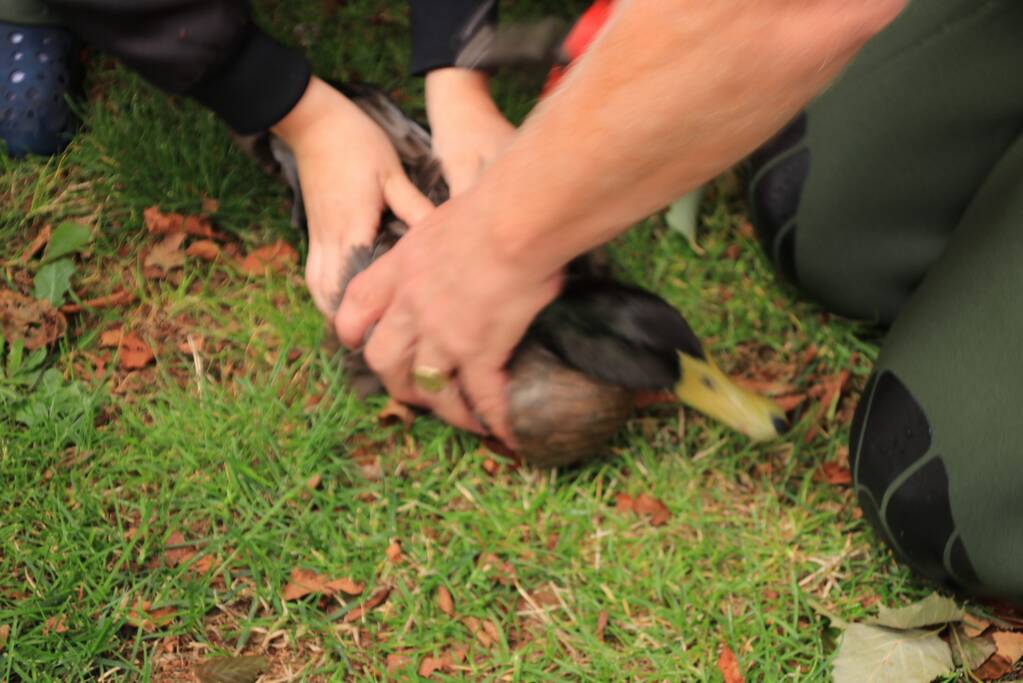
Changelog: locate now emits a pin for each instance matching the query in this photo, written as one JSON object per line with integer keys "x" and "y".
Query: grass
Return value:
{"x": 100, "y": 467}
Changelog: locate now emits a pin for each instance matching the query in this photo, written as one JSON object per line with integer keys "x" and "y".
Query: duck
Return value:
{"x": 576, "y": 376}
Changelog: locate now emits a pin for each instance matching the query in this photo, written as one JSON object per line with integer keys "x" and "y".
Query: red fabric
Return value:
{"x": 580, "y": 37}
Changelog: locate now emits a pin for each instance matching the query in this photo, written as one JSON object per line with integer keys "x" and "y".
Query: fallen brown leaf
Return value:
{"x": 36, "y": 245}
{"x": 974, "y": 626}
{"x": 143, "y": 616}
{"x": 5, "y": 633}
{"x": 313, "y": 482}
{"x": 205, "y": 250}
{"x": 728, "y": 665}
{"x": 1009, "y": 645}
{"x": 624, "y": 503}
{"x": 396, "y": 412}
{"x": 834, "y": 473}
{"x": 994, "y": 668}
{"x": 789, "y": 403}
{"x": 445, "y": 602}
{"x": 305, "y": 581}
{"x": 203, "y": 565}
{"x": 276, "y": 257}
{"x": 394, "y": 553}
{"x": 601, "y": 624}
{"x": 166, "y": 254}
{"x": 56, "y": 624}
{"x": 766, "y": 387}
{"x": 501, "y": 572}
{"x": 118, "y": 298}
{"x": 176, "y": 550}
{"x": 159, "y": 223}
{"x": 373, "y": 602}
{"x": 34, "y": 323}
{"x": 133, "y": 352}
{"x": 829, "y": 389}
{"x": 648, "y": 505}
{"x": 491, "y": 467}
{"x": 429, "y": 665}
{"x": 396, "y": 661}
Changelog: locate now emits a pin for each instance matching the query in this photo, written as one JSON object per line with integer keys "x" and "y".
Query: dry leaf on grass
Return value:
{"x": 305, "y": 581}
{"x": 728, "y": 665}
{"x": 166, "y": 254}
{"x": 276, "y": 257}
{"x": 830, "y": 389}
{"x": 1009, "y": 645}
{"x": 445, "y": 602}
{"x": 648, "y": 505}
{"x": 394, "y": 553}
{"x": 176, "y": 550}
{"x": 789, "y": 403}
{"x": 159, "y": 223}
{"x": 243, "y": 669}
{"x": 429, "y": 665}
{"x": 834, "y": 473}
{"x": 601, "y": 624}
{"x": 395, "y": 412}
{"x": 205, "y": 250}
{"x": 5, "y": 633}
{"x": 143, "y": 616}
{"x": 643, "y": 504}
{"x": 118, "y": 298}
{"x": 374, "y": 601}
{"x": 55, "y": 625}
{"x": 491, "y": 467}
{"x": 35, "y": 323}
{"x": 133, "y": 352}
{"x": 994, "y": 668}
{"x": 397, "y": 661}
{"x": 974, "y": 626}
{"x": 36, "y": 245}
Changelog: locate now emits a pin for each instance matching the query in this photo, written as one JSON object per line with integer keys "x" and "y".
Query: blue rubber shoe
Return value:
{"x": 39, "y": 70}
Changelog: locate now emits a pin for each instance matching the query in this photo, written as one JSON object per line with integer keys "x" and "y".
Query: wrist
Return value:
{"x": 318, "y": 104}
{"x": 451, "y": 91}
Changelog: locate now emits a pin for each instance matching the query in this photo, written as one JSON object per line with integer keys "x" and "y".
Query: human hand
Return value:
{"x": 467, "y": 127}
{"x": 448, "y": 297}
{"x": 349, "y": 171}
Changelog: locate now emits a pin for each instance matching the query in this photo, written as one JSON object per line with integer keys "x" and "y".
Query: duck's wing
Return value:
{"x": 616, "y": 333}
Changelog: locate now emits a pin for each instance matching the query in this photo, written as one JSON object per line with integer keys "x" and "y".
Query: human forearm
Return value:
{"x": 670, "y": 94}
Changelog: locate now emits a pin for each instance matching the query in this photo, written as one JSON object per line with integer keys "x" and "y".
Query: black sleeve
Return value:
{"x": 207, "y": 49}
{"x": 437, "y": 26}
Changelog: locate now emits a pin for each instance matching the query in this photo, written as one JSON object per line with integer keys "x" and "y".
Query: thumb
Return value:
{"x": 405, "y": 200}
{"x": 366, "y": 298}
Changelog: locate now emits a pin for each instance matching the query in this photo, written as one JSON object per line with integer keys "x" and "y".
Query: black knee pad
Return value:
{"x": 890, "y": 454}
{"x": 779, "y": 174}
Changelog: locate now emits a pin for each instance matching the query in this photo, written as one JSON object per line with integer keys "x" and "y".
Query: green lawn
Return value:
{"x": 100, "y": 465}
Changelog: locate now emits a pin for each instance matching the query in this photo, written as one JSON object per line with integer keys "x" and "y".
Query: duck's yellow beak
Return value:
{"x": 704, "y": 387}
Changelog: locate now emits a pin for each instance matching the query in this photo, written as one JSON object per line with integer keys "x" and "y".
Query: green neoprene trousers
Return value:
{"x": 897, "y": 197}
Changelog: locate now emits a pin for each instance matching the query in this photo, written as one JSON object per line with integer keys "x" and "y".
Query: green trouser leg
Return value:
{"x": 27, "y": 12}
{"x": 898, "y": 198}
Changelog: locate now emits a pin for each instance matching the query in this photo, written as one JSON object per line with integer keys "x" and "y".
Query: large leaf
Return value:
{"x": 67, "y": 238}
{"x": 53, "y": 280}
{"x": 884, "y": 655}
{"x": 244, "y": 669}
{"x": 970, "y": 652}
{"x": 681, "y": 217}
{"x": 934, "y": 609}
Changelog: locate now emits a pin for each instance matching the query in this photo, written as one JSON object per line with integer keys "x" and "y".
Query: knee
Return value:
{"x": 903, "y": 486}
